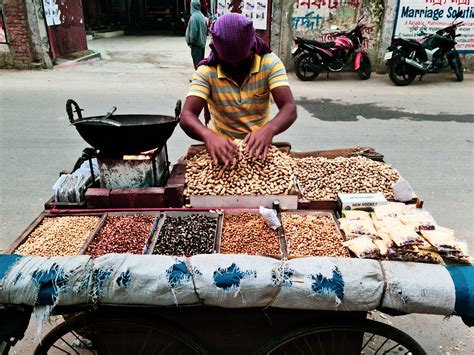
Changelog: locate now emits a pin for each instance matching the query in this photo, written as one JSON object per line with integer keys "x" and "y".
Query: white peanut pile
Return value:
{"x": 308, "y": 235}
{"x": 59, "y": 236}
{"x": 323, "y": 179}
{"x": 249, "y": 177}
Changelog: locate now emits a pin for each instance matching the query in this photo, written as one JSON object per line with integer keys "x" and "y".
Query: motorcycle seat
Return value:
{"x": 327, "y": 45}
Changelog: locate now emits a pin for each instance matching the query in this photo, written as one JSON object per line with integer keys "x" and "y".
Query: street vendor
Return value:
{"x": 237, "y": 82}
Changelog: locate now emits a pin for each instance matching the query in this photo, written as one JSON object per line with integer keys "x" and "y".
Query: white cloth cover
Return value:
{"x": 158, "y": 280}
{"x": 336, "y": 284}
{"x": 418, "y": 288}
{"x": 235, "y": 281}
{"x": 40, "y": 281}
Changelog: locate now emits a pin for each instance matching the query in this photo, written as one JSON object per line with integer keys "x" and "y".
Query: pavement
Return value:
{"x": 425, "y": 130}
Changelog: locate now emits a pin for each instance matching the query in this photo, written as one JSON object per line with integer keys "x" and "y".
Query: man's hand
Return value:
{"x": 222, "y": 150}
{"x": 259, "y": 141}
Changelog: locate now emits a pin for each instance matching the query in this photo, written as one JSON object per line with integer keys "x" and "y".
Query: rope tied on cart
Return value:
{"x": 280, "y": 276}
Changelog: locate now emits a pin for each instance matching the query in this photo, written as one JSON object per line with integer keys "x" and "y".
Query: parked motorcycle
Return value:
{"x": 314, "y": 57}
{"x": 408, "y": 58}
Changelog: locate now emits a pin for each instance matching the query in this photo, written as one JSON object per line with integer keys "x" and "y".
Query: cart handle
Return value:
{"x": 69, "y": 109}
{"x": 177, "y": 110}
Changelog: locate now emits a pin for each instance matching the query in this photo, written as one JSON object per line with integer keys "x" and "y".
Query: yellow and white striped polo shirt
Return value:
{"x": 237, "y": 110}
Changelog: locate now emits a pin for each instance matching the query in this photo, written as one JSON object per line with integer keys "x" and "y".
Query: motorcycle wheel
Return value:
{"x": 302, "y": 72}
{"x": 458, "y": 70}
{"x": 400, "y": 73}
{"x": 365, "y": 68}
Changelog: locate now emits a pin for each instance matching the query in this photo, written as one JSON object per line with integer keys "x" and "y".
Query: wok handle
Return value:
{"x": 69, "y": 109}
{"x": 177, "y": 110}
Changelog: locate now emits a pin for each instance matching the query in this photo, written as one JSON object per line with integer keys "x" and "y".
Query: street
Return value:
{"x": 425, "y": 130}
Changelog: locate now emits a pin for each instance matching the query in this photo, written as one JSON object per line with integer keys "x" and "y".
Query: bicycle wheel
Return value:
{"x": 87, "y": 334}
{"x": 345, "y": 338}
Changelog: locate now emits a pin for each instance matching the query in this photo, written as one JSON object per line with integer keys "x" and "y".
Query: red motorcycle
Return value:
{"x": 314, "y": 57}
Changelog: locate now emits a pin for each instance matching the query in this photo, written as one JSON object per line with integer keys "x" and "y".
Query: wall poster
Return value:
{"x": 51, "y": 12}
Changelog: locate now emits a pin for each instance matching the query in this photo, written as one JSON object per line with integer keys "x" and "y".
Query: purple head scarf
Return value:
{"x": 234, "y": 38}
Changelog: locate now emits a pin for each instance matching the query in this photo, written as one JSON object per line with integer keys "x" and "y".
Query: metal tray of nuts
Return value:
{"x": 333, "y": 249}
{"x": 167, "y": 214}
{"x": 150, "y": 235}
{"x": 236, "y": 212}
{"x": 24, "y": 237}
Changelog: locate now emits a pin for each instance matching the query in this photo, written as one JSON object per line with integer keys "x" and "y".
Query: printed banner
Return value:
{"x": 419, "y": 18}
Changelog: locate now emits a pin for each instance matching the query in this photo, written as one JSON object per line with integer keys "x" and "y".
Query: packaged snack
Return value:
{"x": 414, "y": 254}
{"x": 358, "y": 227}
{"x": 362, "y": 247}
{"x": 382, "y": 246}
{"x": 441, "y": 237}
{"x": 419, "y": 221}
{"x": 404, "y": 235}
{"x": 392, "y": 209}
{"x": 355, "y": 215}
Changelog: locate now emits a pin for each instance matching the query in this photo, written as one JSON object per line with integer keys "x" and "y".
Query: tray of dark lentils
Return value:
{"x": 187, "y": 233}
{"x": 123, "y": 232}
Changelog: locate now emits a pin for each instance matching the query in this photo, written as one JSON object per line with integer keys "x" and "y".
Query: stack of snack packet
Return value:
{"x": 396, "y": 231}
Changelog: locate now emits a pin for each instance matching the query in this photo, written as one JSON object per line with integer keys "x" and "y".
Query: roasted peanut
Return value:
{"x": 323, "y": 179}
{"x": 312, "y": 235}
{"x": 59, "y": 236}
{"x": 248, "y": 177}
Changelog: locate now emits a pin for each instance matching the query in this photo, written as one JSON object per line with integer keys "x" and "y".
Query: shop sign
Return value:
{"x": 418, "y": 18}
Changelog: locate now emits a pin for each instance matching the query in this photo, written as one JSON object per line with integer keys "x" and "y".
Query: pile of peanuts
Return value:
{"x": 312, "y": 235}
{"x": 246, "y": 233}
{"x": 59, "y": 236}
{"x": 122, "y": 234}
{"x": 248, "y": 177}
{"x": 323, "y": 179}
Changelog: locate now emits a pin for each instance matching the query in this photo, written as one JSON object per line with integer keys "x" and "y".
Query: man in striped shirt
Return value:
{"x": 237, "y": 82}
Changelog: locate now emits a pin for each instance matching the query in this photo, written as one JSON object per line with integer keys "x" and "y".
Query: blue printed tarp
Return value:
{"x": 238, "y": 281}
{"x": 418, "y": 288}
{"x": 338, "y": 284}
{"x": 143, "y": 280}
{"x": 235, "y": 281}
{"x": 41, "y": 281}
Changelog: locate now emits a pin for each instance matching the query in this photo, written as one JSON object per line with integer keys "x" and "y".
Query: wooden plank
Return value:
{"x": 153, "y": 232}
{"x": 367, "y": 152}
{"x": 243, "y": 201}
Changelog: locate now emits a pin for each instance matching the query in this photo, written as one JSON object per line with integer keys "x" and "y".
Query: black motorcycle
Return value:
{"x": 312, "y": 57}
{"x": 408, "y": 58}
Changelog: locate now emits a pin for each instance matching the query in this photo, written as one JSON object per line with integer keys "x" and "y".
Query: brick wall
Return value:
{"x": 20, "y": 53}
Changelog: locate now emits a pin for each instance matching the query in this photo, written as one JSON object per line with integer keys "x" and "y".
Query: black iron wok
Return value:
{"x": 123, "y": 134}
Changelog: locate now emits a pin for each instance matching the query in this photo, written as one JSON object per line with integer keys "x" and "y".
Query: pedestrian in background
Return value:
{"x": 196, "y": 33}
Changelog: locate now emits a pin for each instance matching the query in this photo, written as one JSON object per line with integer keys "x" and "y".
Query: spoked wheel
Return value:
{"x": 302, "y": 70}
{"x": 345, "y": 338}
{"x": 365, "y": 68}
{"x": 87, "y": 334}
{"x": 401, "y": 73}
{"x": 458, "y": 70}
